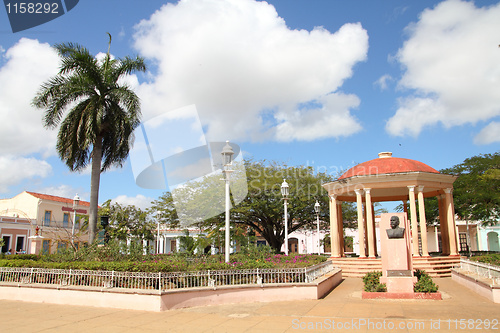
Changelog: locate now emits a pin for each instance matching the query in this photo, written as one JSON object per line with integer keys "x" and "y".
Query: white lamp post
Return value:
{"x": 316, "y": 209}
{"x": 76, "y": 201}
{"x": 158, "y": 233}
{"x": 284, "y": 192}
{"x": 227, "y": 156}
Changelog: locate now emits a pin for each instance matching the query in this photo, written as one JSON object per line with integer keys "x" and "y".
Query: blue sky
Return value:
{"x": 323, "y": 83}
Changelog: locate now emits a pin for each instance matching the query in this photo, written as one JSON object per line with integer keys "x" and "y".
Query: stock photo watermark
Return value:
{"x": 171, "y": 153}
{"x": 26, "y": 14}
{"x": 367, "y": 324}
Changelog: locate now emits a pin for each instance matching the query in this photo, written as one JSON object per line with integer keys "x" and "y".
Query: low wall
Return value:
{"x": 171, "y": 299}
{"x": 476, "y": 284}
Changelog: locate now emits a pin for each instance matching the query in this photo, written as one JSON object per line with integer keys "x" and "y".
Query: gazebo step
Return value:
{"x": 434, "y": 266}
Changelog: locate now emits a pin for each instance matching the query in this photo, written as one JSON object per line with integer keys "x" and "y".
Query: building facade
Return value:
{"x": 50, "y": 220}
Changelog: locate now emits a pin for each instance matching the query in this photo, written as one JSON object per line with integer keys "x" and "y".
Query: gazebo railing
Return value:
{"x": 162, "y": 281}
{"x": 481, "y": 269}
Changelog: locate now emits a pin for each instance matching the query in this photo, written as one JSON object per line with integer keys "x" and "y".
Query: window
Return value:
{"x": 47, "y": 218}
{"x": 46, "y": 246}
{"x": 65, "y": 220}
{"x": 19, "y": 244}
{"x": 6, "y": 246}
{"x": 77, "y": 222}
{"x": 463, "y": 241}
{"x": 61, "y": 246}
{"x": 261, "y": 243}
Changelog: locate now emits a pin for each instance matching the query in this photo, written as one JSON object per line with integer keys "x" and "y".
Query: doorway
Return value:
{"x": 6, "y": 246}
{"x": 493, "y": 241}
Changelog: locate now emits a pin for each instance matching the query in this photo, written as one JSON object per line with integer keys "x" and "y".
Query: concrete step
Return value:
{"x": 434, "y": 266}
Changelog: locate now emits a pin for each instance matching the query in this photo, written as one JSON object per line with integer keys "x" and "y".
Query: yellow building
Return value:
{"x": 32, "y": 222}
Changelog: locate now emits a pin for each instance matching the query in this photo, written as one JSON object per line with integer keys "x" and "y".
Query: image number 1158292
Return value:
{"x": 15, "y": 7}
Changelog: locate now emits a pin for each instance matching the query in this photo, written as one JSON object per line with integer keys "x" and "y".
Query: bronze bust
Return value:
{"x": 395, "y": 231}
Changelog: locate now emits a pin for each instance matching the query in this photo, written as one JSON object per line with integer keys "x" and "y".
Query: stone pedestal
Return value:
{"x": 36, "y": 244}
{"x": 397, "y": 266}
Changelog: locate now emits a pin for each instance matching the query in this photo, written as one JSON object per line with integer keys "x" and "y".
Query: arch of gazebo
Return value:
{"x": 392, "y": 179}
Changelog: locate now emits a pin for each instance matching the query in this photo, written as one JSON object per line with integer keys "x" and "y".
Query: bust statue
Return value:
{"x": 395, "y": 231}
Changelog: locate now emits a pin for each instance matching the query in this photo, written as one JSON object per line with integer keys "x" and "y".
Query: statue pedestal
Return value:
{"x": 397, "y": 265}
{"x": 36, "y": 244}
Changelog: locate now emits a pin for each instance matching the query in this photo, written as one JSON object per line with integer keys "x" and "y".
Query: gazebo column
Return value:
{"x": 374, "y": 231}
{"x": 450, "y": 219}
{"x": 366, "y": 228}
{"x": 334, "y": 227}
{"x": 423, "y": 222}
{"x": 340, "y": 222}
{"x": 445, "y": 240}
{"x": 361, "y": 225}
{"x": 413, "y": 219}
{"x": 369, "y": 223}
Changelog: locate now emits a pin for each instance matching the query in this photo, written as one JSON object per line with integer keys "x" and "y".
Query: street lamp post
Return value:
{"x": 158, "y": 232}
{"x": 316, "y": 209}
{"x": 227, "y": 156}
{"x": 284, "y": 192}
{"x": 76, "y": 201}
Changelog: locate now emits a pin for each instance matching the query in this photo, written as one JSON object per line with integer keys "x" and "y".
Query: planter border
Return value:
{"x": 480, "y": 286}
{"x": 151, "y": 300}
{"x": 385, "y": 295}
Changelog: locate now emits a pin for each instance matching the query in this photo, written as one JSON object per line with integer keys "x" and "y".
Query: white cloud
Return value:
{"x": 236, "y": 59}
{"x": 333, "y": 116}
{"x": 452, "y": 68}
{"x": 15, "y": 169}
{"x": 489, "y": 134}
{"x": 65, "y": 191}
{"x": 28, "y": 64}
{"x": 384, "y": 81}
{"x": 140, "y": 201}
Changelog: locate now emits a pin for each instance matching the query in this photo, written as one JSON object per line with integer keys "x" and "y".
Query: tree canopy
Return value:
{"x": 262, "y": 209}
{"x": 95, "y": 111}
{"x": 476, "y": 192}
{"x": 127, "y": 220}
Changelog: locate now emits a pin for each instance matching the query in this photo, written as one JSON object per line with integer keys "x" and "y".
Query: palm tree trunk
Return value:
{"x": 95, "y": 179}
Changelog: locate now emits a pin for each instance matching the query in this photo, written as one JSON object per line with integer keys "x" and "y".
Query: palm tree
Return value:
{"x": 101, "y": 113}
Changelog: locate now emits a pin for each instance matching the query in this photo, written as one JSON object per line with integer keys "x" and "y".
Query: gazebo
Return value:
{"x": 388, "y": 178}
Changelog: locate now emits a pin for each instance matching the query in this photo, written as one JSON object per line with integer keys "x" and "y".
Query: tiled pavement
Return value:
{"x": 342, "y": 310}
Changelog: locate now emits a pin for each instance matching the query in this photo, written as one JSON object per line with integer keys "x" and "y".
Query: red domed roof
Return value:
{"x": 387, "y": 164}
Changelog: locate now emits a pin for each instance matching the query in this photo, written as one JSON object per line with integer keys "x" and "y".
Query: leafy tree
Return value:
{"x": 190, "y": 244}
{"x": 164, "y": 210}
{"x": 431, "y": 210}
{"x": 262, "y": 209}
{"x": 125, "y": 221}
{"x": 101, "y": 113}
{"x": 476, "y": 191}
{"x": 349, "y": 215}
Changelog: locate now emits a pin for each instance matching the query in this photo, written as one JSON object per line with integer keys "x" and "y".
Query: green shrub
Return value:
{"x": 117, "y": 257}
{"x": 372, "y": 283}
{"x": 492, "y": 259}
{"x": 424, "y": 283}
{"x": 20, "y": 257}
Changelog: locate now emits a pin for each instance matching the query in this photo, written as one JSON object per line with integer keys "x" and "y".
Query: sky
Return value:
{"x": 322, "y": 83}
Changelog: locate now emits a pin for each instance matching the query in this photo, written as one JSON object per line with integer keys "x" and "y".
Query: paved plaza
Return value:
{"x": 342, "y": 310}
